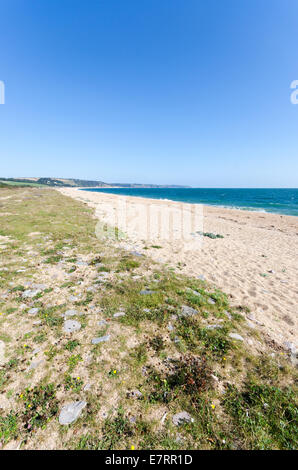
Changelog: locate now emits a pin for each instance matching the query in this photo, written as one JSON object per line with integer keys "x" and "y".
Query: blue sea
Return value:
{"x": 279, "y": 201}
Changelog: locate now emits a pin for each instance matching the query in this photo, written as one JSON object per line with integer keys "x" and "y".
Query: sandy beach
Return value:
{"x": 255, "y": 262}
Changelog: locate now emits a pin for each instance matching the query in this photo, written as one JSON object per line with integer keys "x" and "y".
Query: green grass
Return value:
{"x": 266, "y": 416}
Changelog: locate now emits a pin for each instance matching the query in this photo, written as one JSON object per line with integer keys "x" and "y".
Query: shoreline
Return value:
{"x": 232, "y": 207}
{"x": 254, "y": 262}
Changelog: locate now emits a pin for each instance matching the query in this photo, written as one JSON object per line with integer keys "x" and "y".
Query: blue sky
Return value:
{"x": 174, "y": 91}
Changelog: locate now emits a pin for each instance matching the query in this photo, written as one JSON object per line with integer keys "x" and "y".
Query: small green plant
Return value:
{"x": 157, "y": 343}
{"x": 8, "y": 427}
{"x": 71, "y": 345}
{"x": 73, "y": 361}
{"x": 140, "y": 354}
{"x": 73, "y": 383}
{"x": 39, "y": 406}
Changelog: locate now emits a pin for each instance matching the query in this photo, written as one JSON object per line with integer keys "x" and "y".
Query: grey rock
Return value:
{"x": 37, "y": 322}
{"x": 29, "y": 293}
{"x": 87, "y": 387}
{"x": 2, "y": 353}
{"x": 236, "y": 336}
{"x": 91, "y": 289}
{"x": 119, "y": 314}
{"x": 70, "y": 313}
{"x": 136, "y": 253}
{"x": 201, "y": 277}
{"x": 33, "y": 311}
{"x": 228, "y": 314}
{"x": 146, "y": 292}
{"x": 290, "y": 347}
{"x": 101, "y": 339}
{"x": 170, "y": 327}
{"x": 74, "y": 298}
{"x": 81, "y": 263}
{"x": 71, "y": 325}
{"x": 181, "y": 418}
{"x": 211, "y": 301}
{"x": 253, "y": 319}
{"x": 250, "y": 324}
{"x": 213, "y": 327}
{"x": 70, "y": 413}
{"x": 188, "y": 311}
{"x": 132, "y": 419}
{"x": 194, "y": 292}
{"x": 35, "y": 364}
{"x": 36, "y": 351}
{"x": 102, "y": 323}
{"x": 135, "y": 394}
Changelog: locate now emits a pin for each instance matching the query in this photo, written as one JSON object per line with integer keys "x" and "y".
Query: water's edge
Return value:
{"x": 274, "y": 201}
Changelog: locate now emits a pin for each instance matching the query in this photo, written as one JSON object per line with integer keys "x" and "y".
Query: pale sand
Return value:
{"x": 254, "y": 243}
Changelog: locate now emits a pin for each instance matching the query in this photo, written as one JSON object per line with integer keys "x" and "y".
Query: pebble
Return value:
{"x": 236, "y": 336}
{"x": 119, "y": 314}
{"x": 135, "y": 394}
{"x": 211, "y": 301}
{"x": 196, "y": 293}
{"x": 70, "y": 313}
{"x": 70, "y": 413}
{"x": 74, "y": 298}
{"x": 37, "y": 322}
{"x": 290, "y": 347}
{"x": 35, "y": 364}
{"x": 136, "y": 253}
{"x": 146, "y": 292}
{"x": 228, "y": 314}
{"x": 2, "y": 352}
{"x": 30, "y": 293}
{"x": 181, "y": 418}
{"x": 188, "y": 311}
{"x": 87, "y": 387}
{"x": 71, "y": 325}
{"x": 101, "y": 339}
{"x": 213, "y": 327}
{"x": 33, "y": 311}
{"x": 102, "y": 323}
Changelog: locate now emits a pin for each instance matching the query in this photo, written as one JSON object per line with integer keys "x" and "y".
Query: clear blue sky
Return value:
{"x": 190, "y": 92}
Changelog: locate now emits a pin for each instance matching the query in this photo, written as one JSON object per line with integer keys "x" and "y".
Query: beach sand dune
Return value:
{"x": 255, "y": 263}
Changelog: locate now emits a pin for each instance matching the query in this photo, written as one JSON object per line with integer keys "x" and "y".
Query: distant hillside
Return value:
{"x": 69, "y": 182}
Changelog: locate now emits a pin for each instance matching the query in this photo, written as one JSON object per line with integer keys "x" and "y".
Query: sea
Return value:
{"x": 278, "y": 201}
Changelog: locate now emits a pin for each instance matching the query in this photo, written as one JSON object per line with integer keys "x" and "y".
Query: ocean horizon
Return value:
{"x": 276, "y": 200}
